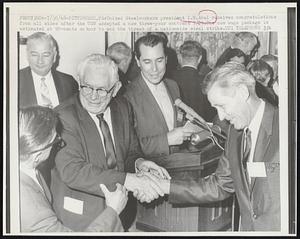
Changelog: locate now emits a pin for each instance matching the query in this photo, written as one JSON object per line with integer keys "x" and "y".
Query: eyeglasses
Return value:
{"x": 87, "y": 90}
{"x": 57, "y": 141}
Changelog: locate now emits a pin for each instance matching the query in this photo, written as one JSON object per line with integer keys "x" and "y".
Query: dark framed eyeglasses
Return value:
{"x": 87, "y": 90}
{"x": 58, "y": 141}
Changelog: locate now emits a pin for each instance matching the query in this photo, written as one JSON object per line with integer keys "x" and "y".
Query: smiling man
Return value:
{"x": 152, "y": 97}
{"x": 101, "y": 147}
{"x": 40, "y": 83}
{"x": 250, "y": 165}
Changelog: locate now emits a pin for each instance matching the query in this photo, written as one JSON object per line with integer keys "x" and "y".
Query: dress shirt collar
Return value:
{"x": 38, "y": 77}
{"x": 256, "y": 121}
{"x": 187, "y": 65}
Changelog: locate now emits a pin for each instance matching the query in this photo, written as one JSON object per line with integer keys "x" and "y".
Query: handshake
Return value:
{"x": 150, "y": 181}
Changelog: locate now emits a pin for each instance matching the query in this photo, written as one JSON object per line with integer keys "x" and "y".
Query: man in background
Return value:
{"x": 245, "y": 41}
{"x": 121, "y": 54}
{"x": 189, "y": 81}
{"x": 152, "y": 97}
{"x": 40, "y": 83}
{"x": 273, "y": 62}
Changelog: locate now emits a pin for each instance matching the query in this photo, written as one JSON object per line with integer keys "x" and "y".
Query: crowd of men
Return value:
{"x": 84, "y": 143}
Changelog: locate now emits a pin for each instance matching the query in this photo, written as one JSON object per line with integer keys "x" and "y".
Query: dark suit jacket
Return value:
{"x": 81, "y": 164}
{"x": 189, "y": 82}
{"x": 65, "y": 85}
{"x": 37, "y": 214}
{"x": 150, "y": 123}
{"x": 259, "y": 202}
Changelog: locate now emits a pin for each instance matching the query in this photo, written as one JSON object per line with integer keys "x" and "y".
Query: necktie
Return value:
{"x": 45, "y": 94}
{"x": 108, "y": 143}
{"x": 247, "y": 148}
{"x": 43, "y": 184}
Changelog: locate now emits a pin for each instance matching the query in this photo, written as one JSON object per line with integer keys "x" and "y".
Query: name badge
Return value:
{"x": 73, "y": 205}
{"x": 256, "y": 169}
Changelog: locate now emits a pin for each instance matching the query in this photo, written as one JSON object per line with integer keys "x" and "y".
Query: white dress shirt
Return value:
{"x": 254, "y": 128}
{"x": 50, "y": 85}
{"x": 107, "y": 118}
{"x": 163, "y": 100}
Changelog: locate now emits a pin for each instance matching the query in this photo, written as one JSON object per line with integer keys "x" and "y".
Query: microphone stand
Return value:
{"x": 204, "y": 126}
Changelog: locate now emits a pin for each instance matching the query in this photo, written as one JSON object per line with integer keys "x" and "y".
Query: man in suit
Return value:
{"x": 40, "y": 83}
{"x": 250, "y": 165}
{"x": 37, "y": 135}
{"x": 121, "y": 54}
{"x": 152, "y": 97}
{"x": 189, "y": 81}
{"x": 100, "y": 145}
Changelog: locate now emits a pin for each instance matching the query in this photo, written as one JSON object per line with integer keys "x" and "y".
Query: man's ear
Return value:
{"x": 243, "y": 92}
{"x": 198, "y": 62}
{"x": 137, "y": 61}
{"x": 117, "y": 88}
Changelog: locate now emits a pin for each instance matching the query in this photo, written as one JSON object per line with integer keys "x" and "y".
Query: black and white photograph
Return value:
{"x": 137, "y": 122}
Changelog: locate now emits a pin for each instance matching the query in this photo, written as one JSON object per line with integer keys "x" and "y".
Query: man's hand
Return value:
{"x": 116, "y": 200}
{"x": 178, "y": 135}
{"x": 145, "y": 185}
{"x": 149, "y": 166}
{"x": 163, "y": 183}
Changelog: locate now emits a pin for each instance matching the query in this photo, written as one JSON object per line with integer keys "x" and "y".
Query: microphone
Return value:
{"x": 178, "y": 102}
{"x": 196, "y": 119}
{"x": 197, "y": 138}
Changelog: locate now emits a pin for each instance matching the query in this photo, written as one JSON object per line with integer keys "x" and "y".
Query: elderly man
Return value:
{"x": 189, "y": 81}
{"x": 250, "y": 164}
{"x": 100, "y": 144}
{"x": 245, "y": 41}
{"x": 152, "y": 97}
{"x": 40, "y": 83}
{"x": 121, "y": 54}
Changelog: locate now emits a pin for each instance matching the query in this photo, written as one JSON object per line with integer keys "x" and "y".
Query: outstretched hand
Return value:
{"x": 153, "y": 168}
{"x": 116, "y": 199}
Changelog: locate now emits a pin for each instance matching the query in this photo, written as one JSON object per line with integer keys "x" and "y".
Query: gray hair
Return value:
{"x": 229, "y": 75}
{"x": 99, "y": 61}
{"x": 44, "y": 37}
{"x": 119, "y": 51}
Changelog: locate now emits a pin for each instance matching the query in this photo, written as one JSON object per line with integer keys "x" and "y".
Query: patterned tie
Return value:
{"x": 43, "y": 184}
{"x": 108, "y": 143}
{"x": 45, "y": 94}
{"x": 247, "y": 148}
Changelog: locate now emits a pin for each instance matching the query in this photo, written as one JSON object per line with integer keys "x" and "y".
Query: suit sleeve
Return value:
{"x": 134, "y": 150}
{"x": 107, "y": 221}
{"x": 75, "y": 170}
{"x": 37, "y": 214}
{"x": 215, "y": 187}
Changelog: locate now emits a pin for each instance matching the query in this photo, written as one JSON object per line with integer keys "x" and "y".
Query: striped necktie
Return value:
{"x": 108, "y": 143}
{"x": 45, "y": 94}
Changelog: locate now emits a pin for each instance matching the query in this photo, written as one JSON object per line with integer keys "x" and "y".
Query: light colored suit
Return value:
{"x": 259, "y": 202}
{"x": 37, "y": 214}
{"x": 150, "y": 124}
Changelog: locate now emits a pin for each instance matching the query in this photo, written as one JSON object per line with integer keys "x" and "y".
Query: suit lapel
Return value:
{"x": 91, "y": 134}
{"x": 234, "y": 153}
{"x": 28, "y": 87}
{"x": 58, "y": 86}
{"x": 118, "y": 132}
{"x": 149, "y": 99}
{"x": 172, "y": 98}
{"x": 263, "y": 138}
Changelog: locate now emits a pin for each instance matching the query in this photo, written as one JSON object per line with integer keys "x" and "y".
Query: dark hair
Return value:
{"x": 36, "y": 127}
{"x": 148, "y": 40}
{"x": 228, "y": 55}
{"x": 190, "y": 49}
{"x": 261, "y": 71}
